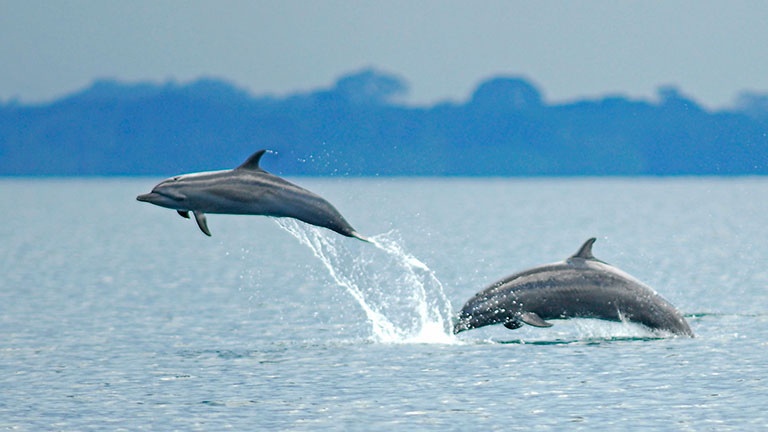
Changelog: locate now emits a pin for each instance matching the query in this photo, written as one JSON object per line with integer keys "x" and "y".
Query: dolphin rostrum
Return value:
{"x": 579, "y": 287}
{"x": 245, "y": 190}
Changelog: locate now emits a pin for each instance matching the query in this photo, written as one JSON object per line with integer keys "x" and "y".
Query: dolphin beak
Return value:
{"x": 460, "y": 325}
{"x": 150, "y": 197}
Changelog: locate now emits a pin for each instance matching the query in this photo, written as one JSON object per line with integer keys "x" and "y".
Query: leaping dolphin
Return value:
{"x": 579, "y": 287}
{"x": 245, "y": 190}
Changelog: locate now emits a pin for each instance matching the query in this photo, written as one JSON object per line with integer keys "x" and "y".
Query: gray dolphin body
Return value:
{"x": 245, "y": 190}
{"x": 579, "y": 287}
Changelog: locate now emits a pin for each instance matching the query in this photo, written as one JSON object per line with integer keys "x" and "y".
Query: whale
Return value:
{"x": 579, "y": 287}
{"x": 246, "y": 190}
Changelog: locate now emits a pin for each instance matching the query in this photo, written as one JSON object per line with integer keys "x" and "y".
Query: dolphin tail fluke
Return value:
{"x": 202, "y": 223}
{"x": 359, "y": 236}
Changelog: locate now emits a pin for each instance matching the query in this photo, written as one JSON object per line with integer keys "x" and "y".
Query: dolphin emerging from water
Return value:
{"x": 579, "y": 287}
{"x": 245, "y": 190}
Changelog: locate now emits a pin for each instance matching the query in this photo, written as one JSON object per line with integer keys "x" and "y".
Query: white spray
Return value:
{"x": 401, "y": 297}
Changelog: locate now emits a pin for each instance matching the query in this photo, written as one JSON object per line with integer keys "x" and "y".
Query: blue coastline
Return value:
{"x": 356, "y": 127}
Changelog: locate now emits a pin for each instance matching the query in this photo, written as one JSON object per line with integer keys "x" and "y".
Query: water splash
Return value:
{"x": 580, "y": 331}
{"x": 433, "y": 307}
{"x": 401, "y": 296}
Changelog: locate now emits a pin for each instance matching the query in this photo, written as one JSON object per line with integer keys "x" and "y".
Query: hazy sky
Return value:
{"x": 571, "y": 49}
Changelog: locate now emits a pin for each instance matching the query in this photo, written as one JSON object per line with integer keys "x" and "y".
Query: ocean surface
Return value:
{"x": 120, "y": 315}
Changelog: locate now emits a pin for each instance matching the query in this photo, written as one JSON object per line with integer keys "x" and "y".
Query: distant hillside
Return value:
{"x": 356, "y": 128}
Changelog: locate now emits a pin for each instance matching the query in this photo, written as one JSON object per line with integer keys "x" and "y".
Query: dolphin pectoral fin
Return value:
{"x": 202, "y": 223}
{"x": 183, "y": 213}
{"x": 532, "y": 319}
{"x": 513, "y": 324}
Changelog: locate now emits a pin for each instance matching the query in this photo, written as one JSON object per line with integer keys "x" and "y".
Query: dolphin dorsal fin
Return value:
{"x": 252, "y": 163}
{"x": 585, "y": 252}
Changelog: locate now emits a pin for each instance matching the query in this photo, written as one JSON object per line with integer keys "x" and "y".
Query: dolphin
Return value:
{"x": 245, "y": 190}
{"x": 579, "y": 287}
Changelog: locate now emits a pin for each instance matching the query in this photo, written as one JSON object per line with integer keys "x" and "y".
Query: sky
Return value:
{"x": 711, "y": 50}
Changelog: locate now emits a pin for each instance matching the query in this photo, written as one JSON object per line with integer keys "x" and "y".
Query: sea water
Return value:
{"x": 119, "y": 315}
